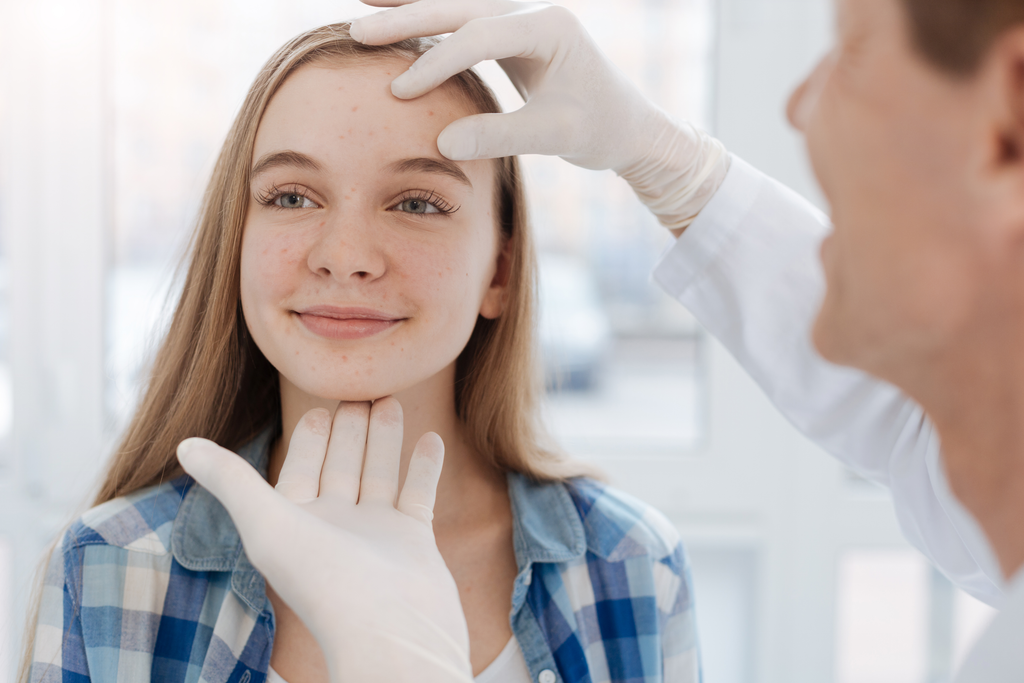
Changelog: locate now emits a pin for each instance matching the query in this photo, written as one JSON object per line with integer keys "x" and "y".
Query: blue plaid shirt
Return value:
{"x": 155, "y": 586}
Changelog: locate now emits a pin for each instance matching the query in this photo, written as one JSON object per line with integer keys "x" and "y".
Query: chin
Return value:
{"x": 346, "y": 387}
{"x": 828, "y": 337}
{"x": 852, "y": 341}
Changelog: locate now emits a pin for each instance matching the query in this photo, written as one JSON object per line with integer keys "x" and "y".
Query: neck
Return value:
{"x": 468, "y": 484}
{"x": 975, "y": 396}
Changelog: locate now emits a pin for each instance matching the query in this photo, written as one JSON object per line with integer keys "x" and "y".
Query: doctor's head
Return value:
{"x": 915, "y": 127}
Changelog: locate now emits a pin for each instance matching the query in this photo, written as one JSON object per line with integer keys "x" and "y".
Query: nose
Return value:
{"x": 348, "y": 249}
{"x": 804, "y": 99}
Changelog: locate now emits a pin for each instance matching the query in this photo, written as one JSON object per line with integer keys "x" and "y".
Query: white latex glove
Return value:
{"x": 579, "y": 106}
{"x": 361, "y": 570}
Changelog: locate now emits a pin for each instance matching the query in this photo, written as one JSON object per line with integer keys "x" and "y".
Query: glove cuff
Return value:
{"x": 681, "y": 173}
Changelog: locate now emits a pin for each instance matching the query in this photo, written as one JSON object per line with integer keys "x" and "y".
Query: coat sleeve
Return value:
{"x": 748, "y": 269}
{"x": 58, "y": 647}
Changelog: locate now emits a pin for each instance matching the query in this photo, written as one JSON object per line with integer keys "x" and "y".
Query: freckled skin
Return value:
{"x": 352, "y": 249}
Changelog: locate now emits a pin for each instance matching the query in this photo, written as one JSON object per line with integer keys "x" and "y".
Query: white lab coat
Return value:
{"x": 998, "y": 657}
{"x": 748, "y": 268}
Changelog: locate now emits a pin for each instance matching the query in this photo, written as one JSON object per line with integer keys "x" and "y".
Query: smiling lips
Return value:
{"x": 346, "y": 323}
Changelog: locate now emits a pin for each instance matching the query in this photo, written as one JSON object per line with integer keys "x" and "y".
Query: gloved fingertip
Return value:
{"x": 402, "y": 87}
{"x": 357, "y": 31}
{"x": 187, "y": 451}
{"x": 433, "y": 445}
{"x": 456, "y": 147}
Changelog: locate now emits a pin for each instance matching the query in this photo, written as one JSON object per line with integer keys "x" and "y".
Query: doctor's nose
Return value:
{"x": 347, "y": 250}
{"x": 804, "y": 99}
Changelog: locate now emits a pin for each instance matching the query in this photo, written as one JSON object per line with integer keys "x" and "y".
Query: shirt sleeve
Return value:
{"x": 679, "y": 643}
{"x": 748, "y": 269}
{"x": 58, "y": 652}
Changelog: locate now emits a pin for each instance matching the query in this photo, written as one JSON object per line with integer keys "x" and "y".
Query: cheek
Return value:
{"x": 831, "y": 131}
{"x": 440, "y": 274}
{"x": 451, "y": 278}
{"x": 272, "y": 263}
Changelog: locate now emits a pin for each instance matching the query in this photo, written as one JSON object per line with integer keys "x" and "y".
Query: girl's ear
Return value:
{"x": 496, "y": 296}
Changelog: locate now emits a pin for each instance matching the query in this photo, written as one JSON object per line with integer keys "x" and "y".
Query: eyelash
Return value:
{"x": 269, "y": 197}
{"x": 431, "y": 197}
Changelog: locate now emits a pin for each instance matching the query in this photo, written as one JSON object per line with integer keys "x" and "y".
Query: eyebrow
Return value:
{"x": 414, "y": 165}
{"x": 286, "y": 158}
{"x": 428, "y": 165}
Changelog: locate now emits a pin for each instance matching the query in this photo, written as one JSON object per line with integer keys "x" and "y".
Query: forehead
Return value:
{"x": 345, "y": 115}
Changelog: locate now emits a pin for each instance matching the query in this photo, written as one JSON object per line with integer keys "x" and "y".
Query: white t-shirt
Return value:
{"x": 508, "y": 667}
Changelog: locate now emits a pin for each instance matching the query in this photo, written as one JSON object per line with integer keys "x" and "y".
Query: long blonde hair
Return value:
{"x": 209, "y": 378}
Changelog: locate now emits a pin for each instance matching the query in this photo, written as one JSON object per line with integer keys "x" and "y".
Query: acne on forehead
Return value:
{"x": 301, "y": 115}
{"x": 391, "y": 67}
{"x": 362, "y": 89}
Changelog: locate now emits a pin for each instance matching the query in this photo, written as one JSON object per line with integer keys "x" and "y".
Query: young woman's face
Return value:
{"x": 366, "y": 256}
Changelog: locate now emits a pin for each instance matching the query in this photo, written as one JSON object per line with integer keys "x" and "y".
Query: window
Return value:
{"x": 622, "y": 359}
{"x": 900, "y": 621}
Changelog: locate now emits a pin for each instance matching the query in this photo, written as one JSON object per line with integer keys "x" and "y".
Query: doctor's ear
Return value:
{"x": 1003, "y": 73}
{"x": 1000, "y": 79}
{"x": 497, "y": 294}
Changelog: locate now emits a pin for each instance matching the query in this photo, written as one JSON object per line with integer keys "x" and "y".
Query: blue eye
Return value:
{"x": 418, "y": 206}
{"x": 294, "y": 200}
{"x": 423, "y": 202}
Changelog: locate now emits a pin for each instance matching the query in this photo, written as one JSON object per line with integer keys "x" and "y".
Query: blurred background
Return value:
{"x": 111, "y": 114}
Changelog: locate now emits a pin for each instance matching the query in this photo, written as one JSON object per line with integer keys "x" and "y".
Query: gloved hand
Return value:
{"x": 579, "y": 106}
{"x": 361, "y": 570}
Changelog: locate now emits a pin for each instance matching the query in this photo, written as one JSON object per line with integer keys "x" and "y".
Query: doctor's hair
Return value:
{"x": 209, "y": 379}
{"x": 955, "y": 35}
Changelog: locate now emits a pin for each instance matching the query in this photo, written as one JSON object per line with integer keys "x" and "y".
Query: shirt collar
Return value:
{"x": 204, "y": 538}
{"x": 546, "y": 527}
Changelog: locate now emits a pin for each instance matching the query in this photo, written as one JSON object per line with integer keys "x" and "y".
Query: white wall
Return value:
{"x": 765, "y": 48}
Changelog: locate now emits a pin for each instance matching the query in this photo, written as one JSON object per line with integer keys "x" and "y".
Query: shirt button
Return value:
{"x": 547, "y": 676}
